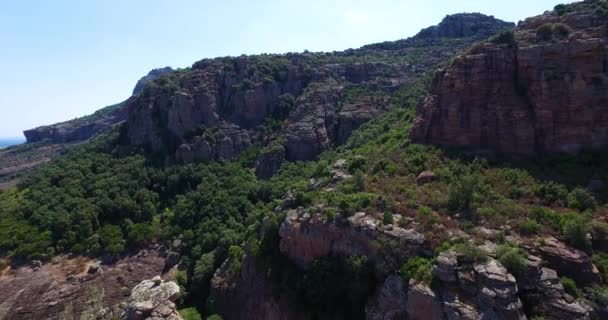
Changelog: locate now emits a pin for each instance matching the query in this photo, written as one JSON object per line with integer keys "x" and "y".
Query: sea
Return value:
{"x": 7, "y": 142}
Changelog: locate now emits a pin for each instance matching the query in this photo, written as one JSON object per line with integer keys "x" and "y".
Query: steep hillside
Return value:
{"x": 542, "y": 89}
{"x": 311, "y": 101}
{"x": 372, "y": 226}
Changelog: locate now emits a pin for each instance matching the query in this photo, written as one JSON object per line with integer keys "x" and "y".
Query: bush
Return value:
{"x": 570, "y": 287}
{"x": 599, "y": 232}
{"x": 190, "y": 314}
{"x": 561, "y": 9}
{"x": 529, "y": 227}
{"x": 512, "y": 257}
{"x": 471, "y": 252}
{"x": 598, "y": 294}
{"x": 505, "y": 37}
{"x": 387, "y": 218}
{"x": 545, "y": 32}
{"x": 214, "y": 317}
{"x": 461, "y": 192}
{"x": 358, "y": 163}
{"x": 417, "y": 268}
{"x": 575, "y": 230}
{"x": 561, "y": 30}
{"x": 581, "y": 199}
{"x": 601, "y": 262}
{"x": 424, "y": 210}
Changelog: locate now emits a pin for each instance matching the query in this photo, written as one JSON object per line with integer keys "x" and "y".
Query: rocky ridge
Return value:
{"x": 83, "y": 128}
{"x": 540, "y": 90}
{"x": 219, "y": 107}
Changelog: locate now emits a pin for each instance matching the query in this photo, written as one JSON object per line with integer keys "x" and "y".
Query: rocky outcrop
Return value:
{"x": 225, "y": 143}
{"x": 269, "y": 161}
{"x": 388, "y": 302}
{"x": 74, "y": 288}
{"x": 526, "y": 97}
{"x": 306, "y": 237}
{"x": 570, "y": 262}
{"x": 153, "y": 299}
{"x": 151, "y": 76}
{"x": 79, "y": 129}
{"x": 544, "y": 295}
{"x": 465, "y": 25}
{"x": 303, "y": 91}
{"x": 241, "y": 290}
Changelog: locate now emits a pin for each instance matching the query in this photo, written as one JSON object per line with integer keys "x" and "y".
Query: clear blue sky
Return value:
{"x": 62, "y": 59}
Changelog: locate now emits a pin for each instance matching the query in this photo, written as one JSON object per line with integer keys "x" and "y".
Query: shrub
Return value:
{"x": 358, "y": 163}
{"x": 190, "y": 314}
{"x": 424, "y": 210}
{"x": 471, "y": 252}
{"x": 331, "y": 214}
{"x": 417, "y": 268}
{"x": 529, "y": 227}
{"x": 512, "y": 257}
{"x": 545, "y": 32}
{"x": 601, "y": 262}
{"x": 214, "y": 317}
{"x": 561, "y": 29}
{"x": 505, "y": 37}
{"x": 598, "y": 294}
{"x": 575, "y": 230}
{"x": 581, "y": 199}
{"x": 599, "y": 231}
{"x": 461, "y": 192}
{"x": 387, "y": 218}
{"x": 552, "y": 192}
{"x": 570, "y": 287}
{"x": 561, "y": 9}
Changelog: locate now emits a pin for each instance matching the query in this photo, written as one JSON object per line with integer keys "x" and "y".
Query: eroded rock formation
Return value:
{"x": 546, "y": 91}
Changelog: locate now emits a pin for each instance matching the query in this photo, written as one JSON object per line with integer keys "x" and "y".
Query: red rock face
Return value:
{"x": 533, "y": 97}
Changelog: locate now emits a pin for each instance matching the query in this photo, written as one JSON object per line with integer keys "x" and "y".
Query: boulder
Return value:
{"x": 153, "y": 299}
{"x": 269, "y": 162}
{"x": 426, "y": 177}
{"x": 422, "y": 303}
{"x": 446, "y": 266}
{"x": 171, "y": 260}
{"x": 570, "y": 262}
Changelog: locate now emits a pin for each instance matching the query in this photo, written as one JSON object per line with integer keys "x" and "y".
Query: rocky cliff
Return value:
{"x": 310, "y": 102}
{"x": 152, "y": 75}
{"x": 539, "y": 90}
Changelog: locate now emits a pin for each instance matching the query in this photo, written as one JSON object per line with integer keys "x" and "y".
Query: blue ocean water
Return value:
{"x": 7, "y": 142}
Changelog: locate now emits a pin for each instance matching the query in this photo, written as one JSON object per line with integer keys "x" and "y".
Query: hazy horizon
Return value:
{"x": 66, "y": 59}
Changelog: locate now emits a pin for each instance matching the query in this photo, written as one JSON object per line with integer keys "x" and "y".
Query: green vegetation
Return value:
{"x": 190, "y": 314}
{"x": 570, "y": 287}
{"x": 418, "y": 269}
{"x": 505, "y": 37}
{"x": 512, "y": 257}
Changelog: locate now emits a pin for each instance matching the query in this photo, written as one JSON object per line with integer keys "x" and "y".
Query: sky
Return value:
{"x": 64, "y": 59}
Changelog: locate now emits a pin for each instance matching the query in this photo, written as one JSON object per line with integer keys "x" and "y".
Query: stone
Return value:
{"x": 153, "y": 299}
{"x": 94, "y": 268}
{"x": 389, "y": 302}
{"x": 426, "y": 177}
{"x": 445, "y": 268}
{"x": 422, "y": 303}
{"x": 570, "y": 262}
{"x": 269, "y": 162}
{"x": 171, "y": 260}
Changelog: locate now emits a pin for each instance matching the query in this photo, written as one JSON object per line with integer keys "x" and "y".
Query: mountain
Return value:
{"x": 541, "y": 89}
{"x": 83, "y": 128}
{"x": 219, "y": 107}
{"x": 327, "y": 186}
